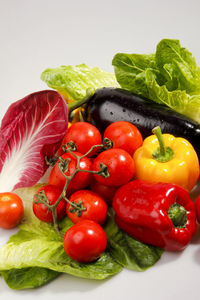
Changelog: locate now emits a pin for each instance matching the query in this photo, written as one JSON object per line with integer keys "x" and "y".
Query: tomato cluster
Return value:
{"x": 95, "y": 173}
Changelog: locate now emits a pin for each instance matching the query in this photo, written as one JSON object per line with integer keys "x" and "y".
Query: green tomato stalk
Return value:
{"x": 63, "y": 165}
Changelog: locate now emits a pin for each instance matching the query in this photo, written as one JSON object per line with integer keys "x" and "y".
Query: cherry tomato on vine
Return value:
{"x": 95, "y": 207}
{"x": 106, "y": 192}
{"x": 84, "y": 135}
{"x": 120, "y": 164}
{"x": 41, "y": 211}
{"x": 11, "y": 210}
{"x": 85, "y": 241}
{"x": 124, "y": 135}
{"x": 80, "y": 180}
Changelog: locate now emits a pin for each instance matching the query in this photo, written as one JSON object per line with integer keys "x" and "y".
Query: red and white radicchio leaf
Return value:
{"x": 31, "y": 129}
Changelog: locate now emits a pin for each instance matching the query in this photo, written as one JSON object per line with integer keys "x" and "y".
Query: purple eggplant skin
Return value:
{"x": 108, "y": 105}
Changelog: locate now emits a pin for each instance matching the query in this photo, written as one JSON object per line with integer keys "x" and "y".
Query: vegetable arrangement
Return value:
{"x": 117, "y": 194}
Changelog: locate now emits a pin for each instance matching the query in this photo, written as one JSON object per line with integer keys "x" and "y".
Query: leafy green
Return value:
{"x": 37, "y": 245}
{"x": 178, "y": 66}
{"x": 28, "y": 277}
{"x": 129, "y": 252}
{"x": 73, "y": 81}
{"x": 170, "y": 76}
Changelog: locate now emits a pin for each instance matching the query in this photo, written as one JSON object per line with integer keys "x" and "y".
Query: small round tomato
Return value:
{"x": 124, "y": 135}
{"x": 106, "y": 192}
{"x": 11, "y": 210}
{"x": 120, "y": 164}
{"x": 84, "y": 135}
{"x": 197, "y": 205}
{"x": 79, "y": 181}
{"x": 85, "y": 241}
{"x": 95, "y": 207}
{"x": 41, "y": 211}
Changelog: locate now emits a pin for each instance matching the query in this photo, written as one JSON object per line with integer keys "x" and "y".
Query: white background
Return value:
{"x": 38, "y": 34}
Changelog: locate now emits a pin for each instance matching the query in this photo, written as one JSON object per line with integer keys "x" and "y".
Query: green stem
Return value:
{"x": 178, "y": 215}
{"x": 63, "y": 168}
{"x": 55, "y": 222}
{"x": 162, "y": 153}
{"x": 157, "y": 131}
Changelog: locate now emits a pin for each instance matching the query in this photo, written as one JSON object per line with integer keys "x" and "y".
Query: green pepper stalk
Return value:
{"x": 162, "y": 153}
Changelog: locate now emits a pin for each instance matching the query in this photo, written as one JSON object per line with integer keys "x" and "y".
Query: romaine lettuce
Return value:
{"x": 37, "y": 244}
{"x": 72, "y": 82}
{"x": 128, "y": 252}
{"x": 28, "y": 278}
{"x": 170, "y": 76}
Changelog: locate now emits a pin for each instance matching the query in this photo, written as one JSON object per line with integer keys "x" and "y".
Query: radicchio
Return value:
{"x": 31, "y": 129}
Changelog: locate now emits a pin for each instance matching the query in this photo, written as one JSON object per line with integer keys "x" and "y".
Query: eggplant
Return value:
{"x": 108, "y": 105}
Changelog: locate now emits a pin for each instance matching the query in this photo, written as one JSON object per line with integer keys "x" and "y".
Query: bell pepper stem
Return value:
{"x": 157, "y": 131}
{"x": 178, "y": 215}
{"x": 162, "y": 153}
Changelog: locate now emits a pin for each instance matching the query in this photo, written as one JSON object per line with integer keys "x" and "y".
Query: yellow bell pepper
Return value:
{"x": 165, "y": 158}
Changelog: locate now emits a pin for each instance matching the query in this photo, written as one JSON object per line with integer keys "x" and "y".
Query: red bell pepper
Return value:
{"x": 159, "y": 214}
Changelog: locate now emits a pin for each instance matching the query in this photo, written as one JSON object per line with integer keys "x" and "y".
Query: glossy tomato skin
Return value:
{"x": 84, "y": 135}
{"x": 120, "y": 164}
{"x": 124, "y": 135}
{"x": 80, "y": 180}
{"x": 85, "y": 241}
{"x": 41, "y": 211}
{"x": 11, "y": 210}
{"x": 96, "y": 207}
{"x": 197, "y": 205}
{"x": 106, "y": 192}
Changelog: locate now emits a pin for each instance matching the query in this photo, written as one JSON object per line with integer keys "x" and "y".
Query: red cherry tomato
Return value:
{"x": 85, "y": 241}
{"x": 197, "y": 205}
{"x": 11, "y": 210}
{"x": 42, "y": 212}
{"x": 84, "y": 135}
{"x": 120, "y": 164}
{"x": 95, "y": 207}
{"x": 106, "y": 192}
{"x": 80, "y": 180}
{"x": 124, "y": 135}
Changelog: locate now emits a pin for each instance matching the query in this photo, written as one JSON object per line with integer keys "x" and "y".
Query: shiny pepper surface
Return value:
{"x": 159, "y": 214}
{"x": 178, "y": 166}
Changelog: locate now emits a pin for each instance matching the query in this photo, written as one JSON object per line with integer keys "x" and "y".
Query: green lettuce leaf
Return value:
{"x": 28, "y": 278}
{"x": 170, "y": 77}
{"x": 72, "y": 82}
{"x": 129, "y": 252}
{"x": 37, "y": 245}
{"x": 178, "y": 66}
{"x": 33, "y": 249}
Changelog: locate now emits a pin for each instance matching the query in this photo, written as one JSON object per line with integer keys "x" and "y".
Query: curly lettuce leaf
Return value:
{"x": 170, "y": 77}
{"x": 72, "y": 82}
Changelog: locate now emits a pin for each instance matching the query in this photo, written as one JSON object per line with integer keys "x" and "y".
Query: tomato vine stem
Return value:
{"x": 63, "y": 165}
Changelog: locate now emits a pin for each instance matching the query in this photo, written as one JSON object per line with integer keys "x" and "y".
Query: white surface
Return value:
{"x": 38, "y": 34}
